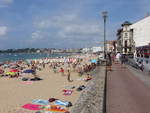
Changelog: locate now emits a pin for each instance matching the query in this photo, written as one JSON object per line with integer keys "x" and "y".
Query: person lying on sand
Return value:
{"x": 89, "y": 77}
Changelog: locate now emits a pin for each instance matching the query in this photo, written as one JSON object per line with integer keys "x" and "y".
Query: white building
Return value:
{"x": 141, "y": 37}
{"x": 125, "y": 39}
{"x": 97, "y": 49}
{"x": 111, "y": 46}
{"x": 86, "y": 50}
{"x": 93, "y": 49}
{"x": 141, "y": 32}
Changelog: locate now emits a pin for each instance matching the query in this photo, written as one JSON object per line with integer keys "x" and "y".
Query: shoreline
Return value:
{"x": 14, "y": 56}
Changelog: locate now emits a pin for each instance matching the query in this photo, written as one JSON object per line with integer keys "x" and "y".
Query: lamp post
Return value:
{"x": 104, "y": 14}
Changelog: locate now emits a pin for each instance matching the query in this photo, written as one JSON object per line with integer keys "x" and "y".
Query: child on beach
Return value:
{"x": 54, "y": 69}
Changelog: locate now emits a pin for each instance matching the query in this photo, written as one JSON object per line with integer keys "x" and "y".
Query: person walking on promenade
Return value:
{"x": 141, "y": 66}
{"x": 113, "y": 57}
{"x": 123, "y": 59}
{"x": 118, "y": 55}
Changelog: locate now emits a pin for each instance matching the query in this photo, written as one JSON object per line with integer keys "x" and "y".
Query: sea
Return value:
{"x": 24, "y": 56}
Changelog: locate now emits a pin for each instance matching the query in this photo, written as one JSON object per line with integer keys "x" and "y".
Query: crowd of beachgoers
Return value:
{"x": 63, "y": 65}
{"x": 66, "y": 67}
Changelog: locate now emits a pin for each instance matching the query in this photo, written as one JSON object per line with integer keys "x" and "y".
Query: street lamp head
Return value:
{"x": 104, "y": 14}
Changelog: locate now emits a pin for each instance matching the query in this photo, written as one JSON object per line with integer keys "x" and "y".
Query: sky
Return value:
{"x": 64, "y": 23}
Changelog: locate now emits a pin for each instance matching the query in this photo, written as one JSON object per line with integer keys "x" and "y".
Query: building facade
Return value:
{"x": 141, "y": 36}
{"x": 141, "y": 32}
{"x": 125, "y": 42}
{"x": 111, "y": 46}
{"x": 135, "y": 38}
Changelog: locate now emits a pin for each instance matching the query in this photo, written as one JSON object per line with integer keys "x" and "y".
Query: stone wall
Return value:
{"x": 92, "y": 98}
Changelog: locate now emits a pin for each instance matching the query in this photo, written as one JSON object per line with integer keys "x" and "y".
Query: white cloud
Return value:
{"x": 69, "y": 26}
{"x": 36, "y": 36}
{"x": 3, "y": 30}
{"x": 5, "y": 3}
{"x": 83, "y": 29}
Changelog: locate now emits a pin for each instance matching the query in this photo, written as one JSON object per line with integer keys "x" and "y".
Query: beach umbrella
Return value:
{"x": 93, "y": 61}
{"x": 11, "y": 73}
{"x": 28, "y": 71}
{"x": 14, "y": 70}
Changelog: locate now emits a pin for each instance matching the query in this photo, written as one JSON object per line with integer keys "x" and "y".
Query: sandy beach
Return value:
{"x": 14, "y": 93}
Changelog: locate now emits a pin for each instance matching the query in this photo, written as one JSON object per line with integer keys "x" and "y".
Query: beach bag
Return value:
{"x": 25, "y": 79}
{"x": 80, "y": 88}
{"x": 69, "y": 104}
{"x": 36, "y": 79}
{"x": 52, "y": 99}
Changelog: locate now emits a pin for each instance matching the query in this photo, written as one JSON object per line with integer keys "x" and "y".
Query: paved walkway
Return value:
{"x": 126, "y": 93}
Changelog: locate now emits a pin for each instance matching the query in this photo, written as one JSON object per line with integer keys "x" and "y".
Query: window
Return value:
{"x": 125, "y": 50}
{"x": 126, "y": 34}
{"x": 126, "y": 43}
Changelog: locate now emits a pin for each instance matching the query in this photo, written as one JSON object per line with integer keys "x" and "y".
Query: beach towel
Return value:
{"x": 93, "y": 61}
{"x": 40, "y": 102}
{"x": 63, "y": 103}
{"x": 27, "y": 82}
{"x": 67, "y": 92}
{"x": 56, "y": 112}
{"x": 56, "y": 108}
{"x": 53, "y": 112}
{"x": 28, "y": 71}
{"x": 32, "y": 107}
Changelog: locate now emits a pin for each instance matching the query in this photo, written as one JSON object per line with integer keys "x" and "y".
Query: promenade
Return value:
{"x": 126, "y": 92}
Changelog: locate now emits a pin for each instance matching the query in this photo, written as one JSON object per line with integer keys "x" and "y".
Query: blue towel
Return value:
{"x": 59, "y": 102}
{"x": 40, "y": 102}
